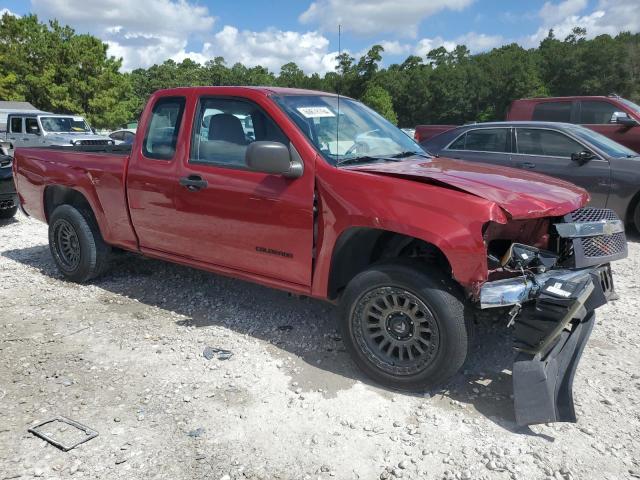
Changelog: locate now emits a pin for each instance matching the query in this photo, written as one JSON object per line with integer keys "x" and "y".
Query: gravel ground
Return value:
{"x": 124, "y": 356}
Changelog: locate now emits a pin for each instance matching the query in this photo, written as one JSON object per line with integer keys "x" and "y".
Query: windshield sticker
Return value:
{"x": 78, "y": 119}
{"x": 315, "y": 112}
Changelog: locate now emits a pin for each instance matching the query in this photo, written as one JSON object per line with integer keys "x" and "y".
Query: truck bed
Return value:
{"x": 96, "y": 172}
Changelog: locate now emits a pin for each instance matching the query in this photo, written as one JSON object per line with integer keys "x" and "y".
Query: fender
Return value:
{"x": 452, "y": 222}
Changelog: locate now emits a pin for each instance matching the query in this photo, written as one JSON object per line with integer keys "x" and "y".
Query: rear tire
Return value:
{"x": 7, "y": 213}
{"x": 405, "y": 328}
{"x": 636, "y": 218}
{"x": 76, "y": 244}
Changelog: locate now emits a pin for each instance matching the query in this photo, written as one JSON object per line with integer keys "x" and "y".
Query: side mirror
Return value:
{"x": 33, "y": 130}
{"x": 622, "y": 118}
{"x": 582, "y": 157}
{"x": 274, "y": 158}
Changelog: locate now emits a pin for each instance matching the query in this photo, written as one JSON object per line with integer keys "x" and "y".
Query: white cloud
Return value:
{"x": 143, "y": 32}
{"x": 556, "y": 12}
{"x": 475, "y": 42}
{"x": 373, "y": 16}
{"x": 480, "y": 42}
{"x": 395, "y": 47}
{"x": 610, "y": 17}
{"x": 8, "y": 12}
{"x": 272, "y": 48}
{"x": 425, "y": 45}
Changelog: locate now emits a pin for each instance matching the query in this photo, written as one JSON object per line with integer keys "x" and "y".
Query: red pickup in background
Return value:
{"x": 612, "y": 116}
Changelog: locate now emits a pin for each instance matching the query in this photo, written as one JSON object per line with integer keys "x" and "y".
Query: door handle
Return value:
{"x": 528, "y": 165}
{"x": 193, "y": 183}
{"x": 26, "y": 139}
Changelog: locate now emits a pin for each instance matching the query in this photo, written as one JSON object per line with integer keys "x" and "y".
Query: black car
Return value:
{"x": 610, "y": 172}
{"x": 8, "y": 197}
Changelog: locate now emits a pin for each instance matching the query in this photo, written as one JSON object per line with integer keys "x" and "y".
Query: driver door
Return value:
{"x": 234, "y": 217}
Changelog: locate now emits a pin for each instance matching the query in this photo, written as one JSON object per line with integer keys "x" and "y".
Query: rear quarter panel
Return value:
{"x": 99, "y": 177}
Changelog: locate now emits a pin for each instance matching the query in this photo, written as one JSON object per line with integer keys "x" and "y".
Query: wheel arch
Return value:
{"x": 631, "y": 209}
{"x": 56, "y": 195}
{"x": 359, "y": 247}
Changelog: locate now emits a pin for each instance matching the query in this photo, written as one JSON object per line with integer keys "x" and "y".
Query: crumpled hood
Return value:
{"x": 520, "y": 193}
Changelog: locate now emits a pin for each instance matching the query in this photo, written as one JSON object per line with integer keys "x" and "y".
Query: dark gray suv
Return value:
{"x": 610, "y": 172}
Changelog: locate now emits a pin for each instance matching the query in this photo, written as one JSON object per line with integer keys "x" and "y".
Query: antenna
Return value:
{"x": 338, "y": 91}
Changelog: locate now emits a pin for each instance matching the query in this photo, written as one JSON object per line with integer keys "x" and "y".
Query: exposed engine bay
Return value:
{"x": 553, "y": 284}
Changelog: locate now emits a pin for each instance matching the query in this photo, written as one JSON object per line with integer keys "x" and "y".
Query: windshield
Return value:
{"x": 356, "y": 133}
{"x": 65, "y": 125}
{"x": 631, "y": 105}
{"x": 608, "y": 146}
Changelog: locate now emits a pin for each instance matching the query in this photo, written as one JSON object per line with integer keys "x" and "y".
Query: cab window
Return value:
{"x": 164, "y": 126}
{"x": 552, "y": 112}
{"x": 594, "y": 113}
{"x": 224, "y": 128}
{"x": 16, "y": 124}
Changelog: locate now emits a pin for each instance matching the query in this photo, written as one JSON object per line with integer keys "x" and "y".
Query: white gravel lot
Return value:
{"x": 124, "y": 356}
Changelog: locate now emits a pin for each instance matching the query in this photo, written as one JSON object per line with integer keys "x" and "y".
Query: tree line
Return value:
{"x": 56, "y": 69}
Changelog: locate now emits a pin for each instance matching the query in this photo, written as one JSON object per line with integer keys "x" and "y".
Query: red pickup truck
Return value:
{"x": 612, "y": 116}
{"x": 320, "y": 196}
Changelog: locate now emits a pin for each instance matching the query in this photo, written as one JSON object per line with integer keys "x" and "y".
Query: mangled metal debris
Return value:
{"x": 211, "y": 352}
{"x": 84, "y": 435}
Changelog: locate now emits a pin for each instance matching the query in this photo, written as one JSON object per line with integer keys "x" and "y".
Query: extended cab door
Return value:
{"x": 152, "y": 175}
{"x": 237, "y": 218}
{"x": 549, "y": 152}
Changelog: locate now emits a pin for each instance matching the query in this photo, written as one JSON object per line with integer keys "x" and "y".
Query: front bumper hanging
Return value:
{"x": 550, "y": 335}
{"x": 554, "y": 310}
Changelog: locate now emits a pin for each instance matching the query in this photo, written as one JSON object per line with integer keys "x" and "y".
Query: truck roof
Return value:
{"x": 267, "y": 90}
{"x": 570, "y": 98}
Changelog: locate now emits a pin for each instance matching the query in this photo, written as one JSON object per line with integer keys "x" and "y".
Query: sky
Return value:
{"x": 272, "y": 33}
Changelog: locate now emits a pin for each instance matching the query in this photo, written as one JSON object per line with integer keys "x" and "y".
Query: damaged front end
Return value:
{"x": 553, "y": 288}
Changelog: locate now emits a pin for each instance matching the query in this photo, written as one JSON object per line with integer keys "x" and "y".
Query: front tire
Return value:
{"x": 76, "y": 244}
{"x": 404, "y": 327}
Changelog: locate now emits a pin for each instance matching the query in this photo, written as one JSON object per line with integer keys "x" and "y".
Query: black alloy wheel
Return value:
{"x": 396, "y": 330}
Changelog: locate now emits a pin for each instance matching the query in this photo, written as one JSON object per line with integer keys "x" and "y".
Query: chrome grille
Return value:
{"x": 604, "y": 245}
{"x": 593, "y": 215}
{"x": 94, "y": 142}
{"x": 588, "y": 249}
{"x": 4, "y": 204}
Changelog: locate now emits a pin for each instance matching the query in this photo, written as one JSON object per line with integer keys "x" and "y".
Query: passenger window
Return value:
{"x": 31, "y": 125}
{"x": 459, "y": 143}
{"x": 162, "y": 133}
{"x": 224, "y": 129}
{"x": 593, "y": 113}
{"x": 552, "y": 112}
{"x": 487, "y": 140}
{"x": 116, "y": 136}
{"x": 546, "y": 143}
{"x": 16, "y": 124}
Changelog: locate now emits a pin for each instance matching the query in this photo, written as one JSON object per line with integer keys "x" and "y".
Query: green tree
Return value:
{"x": 379, "y": 99}
{"x": 291, "y": 76}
